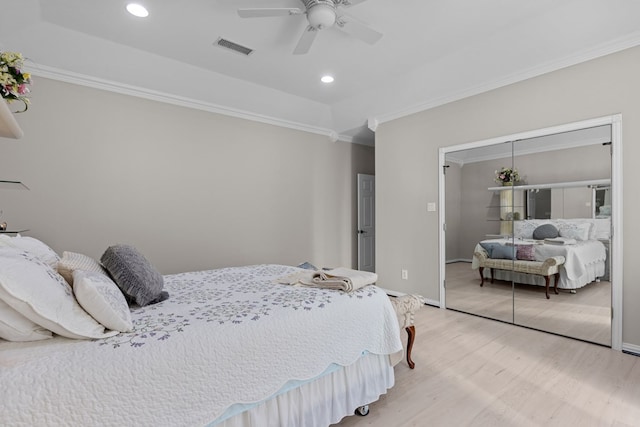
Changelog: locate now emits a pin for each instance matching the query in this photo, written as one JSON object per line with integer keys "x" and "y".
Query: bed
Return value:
{"x": 229, "y": 347}
{"x": 579, "y": 241}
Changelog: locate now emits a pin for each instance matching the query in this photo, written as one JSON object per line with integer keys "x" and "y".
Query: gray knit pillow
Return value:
{"x": 545, "y": 231}
{"x": 134, "y": 275}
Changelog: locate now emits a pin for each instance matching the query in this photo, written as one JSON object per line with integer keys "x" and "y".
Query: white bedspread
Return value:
{"x": 224, "y": 336}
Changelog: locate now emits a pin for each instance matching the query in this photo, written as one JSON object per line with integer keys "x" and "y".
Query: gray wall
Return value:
{"x": 407, "y": 163}
{"x": 191, "y": 189}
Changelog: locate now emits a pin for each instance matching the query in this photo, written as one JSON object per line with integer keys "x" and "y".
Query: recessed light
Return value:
{"x": 327, "y": 79}
{"x": 137, "y": 10}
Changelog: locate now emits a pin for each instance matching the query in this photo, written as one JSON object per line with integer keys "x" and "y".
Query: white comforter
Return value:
{"x": 224, "y": 336}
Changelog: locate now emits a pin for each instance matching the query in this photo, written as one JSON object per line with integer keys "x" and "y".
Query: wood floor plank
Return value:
{"x": 472, "y": 371}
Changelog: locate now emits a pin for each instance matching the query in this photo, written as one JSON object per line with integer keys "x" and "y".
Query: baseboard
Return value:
{"x": 631, "y": 348}
{"x": 451, "y": 261}
{"x": 427, "y": 301}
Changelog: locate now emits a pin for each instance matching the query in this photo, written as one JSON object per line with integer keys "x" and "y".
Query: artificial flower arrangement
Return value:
{"x": 13, "y": 82}
{"x": 507, "y": 175}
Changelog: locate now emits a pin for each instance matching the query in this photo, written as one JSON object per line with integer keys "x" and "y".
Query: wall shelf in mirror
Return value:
{"x": 9, "y": 127}
{"x": 571, "y": 184}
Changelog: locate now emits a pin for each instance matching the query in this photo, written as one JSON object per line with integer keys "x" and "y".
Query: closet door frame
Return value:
{"x": 616, "y": 201}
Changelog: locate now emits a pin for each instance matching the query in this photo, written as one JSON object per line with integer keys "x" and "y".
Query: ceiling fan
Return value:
{"x": 320, "y": 14}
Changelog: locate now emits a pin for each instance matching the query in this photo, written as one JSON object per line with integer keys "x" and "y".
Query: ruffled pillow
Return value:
{"x": 15, "y": 327}
{"x": 40, "y": 294}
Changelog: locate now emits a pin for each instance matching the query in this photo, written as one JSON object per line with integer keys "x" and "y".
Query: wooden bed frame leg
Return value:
{"x": 555, "y": 283}
{"x": 481, "y": 276}
{"x": 411, "y": 332}
{"x": 546, "y": 286}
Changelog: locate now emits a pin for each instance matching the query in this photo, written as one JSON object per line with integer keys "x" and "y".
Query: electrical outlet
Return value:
{"x": 405, "y": 274}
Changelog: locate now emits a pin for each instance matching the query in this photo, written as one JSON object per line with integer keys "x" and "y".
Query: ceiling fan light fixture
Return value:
{"x": 137, "y": 10}
{"x": 321, "y": 16}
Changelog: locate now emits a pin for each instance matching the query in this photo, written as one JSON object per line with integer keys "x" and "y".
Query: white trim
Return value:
{"x": 617, "y": 234}
{"x": 538, "y": 70}
{"x": 631, "y": 348}
{"x": 153, "y": 95}
{"x": 616, "y": 198}
{"x": 441, "y": 228}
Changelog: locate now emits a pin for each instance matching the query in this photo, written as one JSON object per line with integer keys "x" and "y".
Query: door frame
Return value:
{"x": 616, "y": 205}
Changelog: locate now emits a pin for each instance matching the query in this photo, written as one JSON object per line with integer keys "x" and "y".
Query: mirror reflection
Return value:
{"x": 550, "y": 227}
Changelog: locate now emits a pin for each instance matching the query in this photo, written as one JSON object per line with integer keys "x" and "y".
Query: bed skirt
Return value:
{"x": 319, "y": 402}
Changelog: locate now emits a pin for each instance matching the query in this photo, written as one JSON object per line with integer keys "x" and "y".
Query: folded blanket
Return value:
{"x": 344, "y": 279}
{"x": 561, "y": 241}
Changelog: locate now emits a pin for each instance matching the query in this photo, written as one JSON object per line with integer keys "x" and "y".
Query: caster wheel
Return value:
{"x": 362, "y": 410}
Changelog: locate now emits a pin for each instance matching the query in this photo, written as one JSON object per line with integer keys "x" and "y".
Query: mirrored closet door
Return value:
{"x": 527, "y": 214}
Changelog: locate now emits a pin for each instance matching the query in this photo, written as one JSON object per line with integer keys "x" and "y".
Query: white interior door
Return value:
{"x": 366, "y": 222}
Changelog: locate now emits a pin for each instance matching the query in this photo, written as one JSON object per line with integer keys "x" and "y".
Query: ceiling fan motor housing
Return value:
{"x": 320, "y": 13}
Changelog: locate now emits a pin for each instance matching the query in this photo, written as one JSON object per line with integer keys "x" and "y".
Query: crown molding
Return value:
{"x": 153, "y": 95}
{"x": 598, "y": 51}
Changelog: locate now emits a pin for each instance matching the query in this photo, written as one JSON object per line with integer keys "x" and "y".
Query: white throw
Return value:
{"x": 341, "y": 278}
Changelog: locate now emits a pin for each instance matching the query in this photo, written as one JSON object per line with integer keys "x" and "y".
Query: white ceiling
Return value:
{"x": 432, "y": 52}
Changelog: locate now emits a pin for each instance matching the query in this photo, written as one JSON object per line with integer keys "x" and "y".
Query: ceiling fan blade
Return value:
{"x": 357, "y": 29}
{"x": 305, "y": 42}
{"x": 269, "y": 12}
{"x": 349, "y": 3}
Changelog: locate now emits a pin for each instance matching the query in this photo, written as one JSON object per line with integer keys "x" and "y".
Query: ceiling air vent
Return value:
{"x": 233, "y": 46}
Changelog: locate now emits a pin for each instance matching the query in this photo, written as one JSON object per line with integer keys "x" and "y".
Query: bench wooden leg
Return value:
{"x": 411, "y": 332}
{"x": 481, "y": 276}
{"x": 546, "y": 286}
{"x": 555, "y": 284}
{"x": 492, "y": 275}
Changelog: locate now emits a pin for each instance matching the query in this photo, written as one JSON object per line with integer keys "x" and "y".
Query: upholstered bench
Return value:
{"x": 547, "y": 268}
{"x": 406, "y": 307}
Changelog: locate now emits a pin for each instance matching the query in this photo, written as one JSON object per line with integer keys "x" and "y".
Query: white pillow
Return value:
{"x": 524, "y": 229}
{"x": 575, "y": 230}
{"x": 36, "y": 291}
{"x": 102, "y": 299}
{"x": 15, "y": 327}
{"x": 72, "y": 261}
{"x": 35, "y": 246}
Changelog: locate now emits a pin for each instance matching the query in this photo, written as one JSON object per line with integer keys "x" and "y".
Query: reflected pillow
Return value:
{"x": 524, "y": 229}
{"x": 578, "y": 231}
{"x": 504, "y": 252}
{"x": 545, "y": 231}
{"x": 489, "y": 246}
{"x": 525, "y": 252}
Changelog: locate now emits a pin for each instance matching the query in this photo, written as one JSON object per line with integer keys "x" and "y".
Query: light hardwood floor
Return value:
{"x": 472, "y": 371}
{"x": 585, "y": 314}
